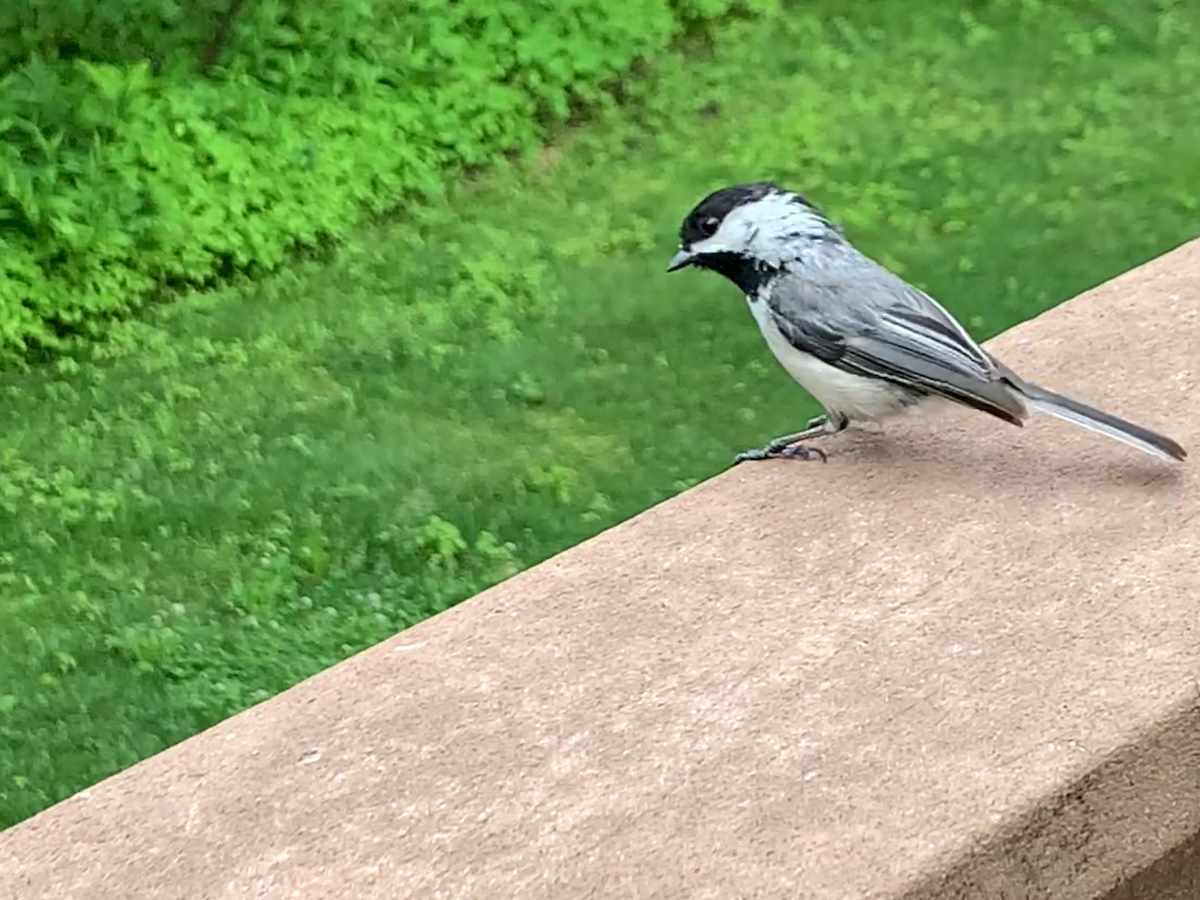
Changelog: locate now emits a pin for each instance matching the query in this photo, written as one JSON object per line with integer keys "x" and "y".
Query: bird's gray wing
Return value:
{"x": 903, "y": 337}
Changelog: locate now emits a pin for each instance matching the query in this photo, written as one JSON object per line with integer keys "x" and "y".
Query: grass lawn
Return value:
{"x": 254, "y": 483}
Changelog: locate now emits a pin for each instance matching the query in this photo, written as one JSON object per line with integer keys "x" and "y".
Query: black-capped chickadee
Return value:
{"x": 861, "y": 340}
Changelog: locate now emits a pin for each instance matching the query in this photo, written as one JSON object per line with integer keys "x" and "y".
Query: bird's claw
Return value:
{"x": 803, "y": 451}
{"x": 796, "y": 450}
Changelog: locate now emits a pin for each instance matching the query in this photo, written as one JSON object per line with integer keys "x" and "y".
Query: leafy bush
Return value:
{"x": 124, "y": 170}
{"x": 111, "y": 31}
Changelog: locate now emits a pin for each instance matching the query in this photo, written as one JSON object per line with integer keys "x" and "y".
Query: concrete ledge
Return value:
{"x": 962, "y": 664}
{"x": 1175, "y": 876}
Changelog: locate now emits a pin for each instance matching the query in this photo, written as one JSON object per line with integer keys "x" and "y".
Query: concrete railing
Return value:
{"x": 961, "y": 663}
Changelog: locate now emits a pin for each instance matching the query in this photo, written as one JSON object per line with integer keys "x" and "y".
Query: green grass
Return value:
{"x": 253, "y": 484}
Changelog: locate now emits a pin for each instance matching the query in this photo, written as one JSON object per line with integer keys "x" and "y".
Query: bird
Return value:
{"x": 866, "y": 344}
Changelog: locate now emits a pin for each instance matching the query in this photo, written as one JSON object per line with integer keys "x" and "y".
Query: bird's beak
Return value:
{"x": 681, "y": 260}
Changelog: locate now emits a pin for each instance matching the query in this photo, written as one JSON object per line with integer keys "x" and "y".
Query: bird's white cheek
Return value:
{"x": 732, "y": 237}
{"x": 709, "y": 246}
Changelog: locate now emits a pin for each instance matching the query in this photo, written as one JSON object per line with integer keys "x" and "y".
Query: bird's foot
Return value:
{"x": 793, "y": 446}
{"x": 794, "y": 450}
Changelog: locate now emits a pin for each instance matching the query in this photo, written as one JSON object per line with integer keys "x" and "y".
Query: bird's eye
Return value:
{"x": 708, "y": 227}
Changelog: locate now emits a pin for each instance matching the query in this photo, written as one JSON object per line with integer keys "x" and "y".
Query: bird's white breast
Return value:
{"x": 855, "y": 397}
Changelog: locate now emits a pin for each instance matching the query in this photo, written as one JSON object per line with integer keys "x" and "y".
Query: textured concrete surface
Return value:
{"x": 962, "y": 664}
{"x": 1175, "y": 876}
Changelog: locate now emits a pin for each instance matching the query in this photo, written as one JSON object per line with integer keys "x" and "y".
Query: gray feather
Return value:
{"x": 881, "y": 327}
{"x": 1100, "y": 422}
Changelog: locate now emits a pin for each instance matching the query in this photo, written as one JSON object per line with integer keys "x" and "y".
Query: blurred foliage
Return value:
{"x": 124, "y": 171}
{"x": 243, "y": 486}
{"x": 106, "y": 31}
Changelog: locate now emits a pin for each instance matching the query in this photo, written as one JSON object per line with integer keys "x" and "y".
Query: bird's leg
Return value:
{"x": 792, "y": 446}
{"x": 814, "y": 428}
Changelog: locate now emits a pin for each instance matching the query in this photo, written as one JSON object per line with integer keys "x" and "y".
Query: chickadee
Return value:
{"x": 861, "y": 340}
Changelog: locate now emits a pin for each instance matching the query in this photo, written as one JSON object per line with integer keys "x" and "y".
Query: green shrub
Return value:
{"x": 112, "y": 31}
{"x": 124, "y": 171}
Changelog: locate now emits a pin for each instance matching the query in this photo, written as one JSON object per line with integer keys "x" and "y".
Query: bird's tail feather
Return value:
{"x": 1044, "y": 401}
